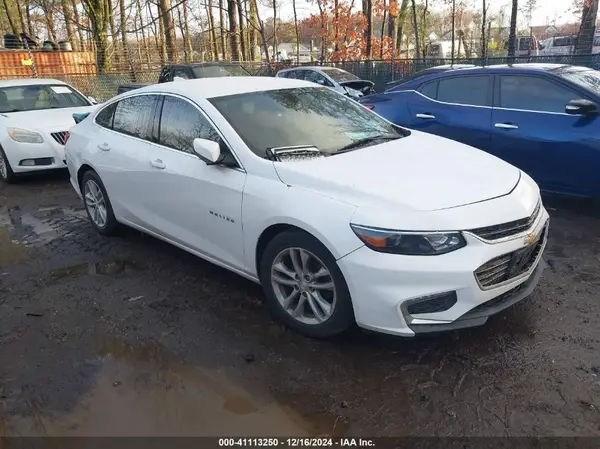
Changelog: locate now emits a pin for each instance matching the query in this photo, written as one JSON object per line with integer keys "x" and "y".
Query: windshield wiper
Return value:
{"x": 366, "y": 141}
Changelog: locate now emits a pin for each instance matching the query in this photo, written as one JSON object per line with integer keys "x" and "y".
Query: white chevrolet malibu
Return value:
{"x": 341, "y": 216}
{"x": 35, "y": 115}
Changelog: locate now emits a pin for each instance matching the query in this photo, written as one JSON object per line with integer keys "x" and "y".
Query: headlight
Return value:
{"x": 24, "y": 135}
{"x": 409, "y": 243}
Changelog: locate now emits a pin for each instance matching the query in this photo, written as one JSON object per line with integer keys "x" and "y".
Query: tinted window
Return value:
{"x": 134, "y": 116}
{"x": 181, "y": 123}
{"x": 314, "y": 116}
{"x": 468, "y": 90}
{"x": 430, "y": 90}
{"x": 106, "y": 115}
{"x": 181, "y": 73}
{"x": 315, "y": 77}
{"x": 534, "y": 94}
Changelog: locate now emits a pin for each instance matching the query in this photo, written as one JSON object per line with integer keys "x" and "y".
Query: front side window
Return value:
{"x": 464, "y": 90}
{"x": 534, "y": 94}
{"x": 181, "y": 123}
{"x": 312, "y": 116}
{"x": 134, "y": 116}
{"x": 40, "y": 96}
{"x": 430, "y": 90}
{"x": 316, "y": 77}
{"x": 181, "y": 73}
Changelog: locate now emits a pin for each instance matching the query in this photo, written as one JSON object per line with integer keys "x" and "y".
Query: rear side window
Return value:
{"x": 430, "y": 90}
{"x": 181, "y": 73}
{"x": 105, "y": 116}
{"x": 134, "y": 116}
{"x": 283, "y": 74}
{"x": 465, "y": 90}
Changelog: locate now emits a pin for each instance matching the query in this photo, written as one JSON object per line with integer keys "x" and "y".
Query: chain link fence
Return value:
{"x": 104, "y": 86}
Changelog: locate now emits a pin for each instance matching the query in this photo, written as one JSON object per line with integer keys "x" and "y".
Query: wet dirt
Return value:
{"x": 130, "y": 336}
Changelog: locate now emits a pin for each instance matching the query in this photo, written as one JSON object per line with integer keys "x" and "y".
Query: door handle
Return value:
{"x": 104, "y": 146}
{"x": 506, "y": 126}
{"x": 157, "y": 163}
{"x": 425, "y": 116}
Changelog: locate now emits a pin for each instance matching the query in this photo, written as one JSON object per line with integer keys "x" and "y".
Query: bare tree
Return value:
{"x": 416, "y": 30}
{"x": 587, "y": 29}
{"x": 297, "y": 32}
{"x": 242, "y": 40}
{"x": 166, "y": 18}
{"x": 512, "y": 34}
{"x": 233, "y": 32}
{"x": 11, "y": 20}
{"x": 222, "y": 28}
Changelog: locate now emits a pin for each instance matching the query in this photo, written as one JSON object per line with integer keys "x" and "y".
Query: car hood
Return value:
{"x": 421, "y": 172}
{"x": 45, "y": 119}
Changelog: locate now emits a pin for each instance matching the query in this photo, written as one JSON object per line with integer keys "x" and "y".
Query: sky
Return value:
{"x": 546, "y": 12}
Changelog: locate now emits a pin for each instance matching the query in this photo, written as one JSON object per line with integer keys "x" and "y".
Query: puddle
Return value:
{"x": 149, "y": 392}
{"x": 11, "y": 253}
{"x": 93, "y": 268}
{"x": 39, "y": 226}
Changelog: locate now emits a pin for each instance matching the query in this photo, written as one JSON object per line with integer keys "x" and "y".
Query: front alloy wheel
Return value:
{"x": 6, "y": 173}
{"x": 304, "y": 286}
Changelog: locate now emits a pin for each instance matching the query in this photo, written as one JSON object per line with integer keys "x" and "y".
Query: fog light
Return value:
{"x": 28, "y": 162}
{"x": 430, "y": 304}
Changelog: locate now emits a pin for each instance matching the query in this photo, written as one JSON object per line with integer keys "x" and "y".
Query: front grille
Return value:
{"x": 509, "y": 229}
{"x": 509, "y": 266}
{"x": 61, "y": 137}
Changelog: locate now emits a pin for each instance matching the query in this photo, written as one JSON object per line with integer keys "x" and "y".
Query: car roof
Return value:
{"x": 223, "y": 86}
{"x": 29, "y": 82}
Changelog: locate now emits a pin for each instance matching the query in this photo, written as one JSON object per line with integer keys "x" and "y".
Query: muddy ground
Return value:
{"x": 129, "y": 336}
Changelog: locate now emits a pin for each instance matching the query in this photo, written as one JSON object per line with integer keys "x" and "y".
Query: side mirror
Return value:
{"x": 92, "y": 100}
{"x": 208, "y": 150}
{"x": 581, "y": 107}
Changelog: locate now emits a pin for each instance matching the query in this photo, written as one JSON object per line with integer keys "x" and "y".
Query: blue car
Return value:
{"x": 542, "y": 118}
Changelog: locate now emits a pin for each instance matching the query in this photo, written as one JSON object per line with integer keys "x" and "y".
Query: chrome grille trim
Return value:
{"x": 497, "y": 271}
{"x": 60, "y": 137}
{"x": 509, "y": 229}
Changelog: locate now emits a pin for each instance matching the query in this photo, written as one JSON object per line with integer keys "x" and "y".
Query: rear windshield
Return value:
{"x": 40, "y": 96}
{"x": 214, "y": 71}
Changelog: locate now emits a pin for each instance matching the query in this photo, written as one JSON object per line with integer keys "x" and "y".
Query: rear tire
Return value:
{"x": 97, "y": 204}
{"x": 304, "y": 286}
{"x": 6, "y": 173}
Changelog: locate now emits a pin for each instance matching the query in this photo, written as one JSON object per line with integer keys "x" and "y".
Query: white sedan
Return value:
{"x": 35, "y": 116}
{"x": 341, "y": 216}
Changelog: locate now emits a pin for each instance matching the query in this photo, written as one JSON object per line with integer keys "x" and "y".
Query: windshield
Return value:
{"x": 40, "y": 96}
{"x": 339, "y": 75}
{"x": 305, "y": 116}
{"x": 214, "y": 71}
{"x": 588, "y": 79}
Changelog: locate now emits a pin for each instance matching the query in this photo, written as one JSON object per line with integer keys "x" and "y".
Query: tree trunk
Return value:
{"x": 368, "y": 11}
{"x": 212, "y": 33}
{"x": 28, "y": 18}
{"x": 11, "y": 21}
{"x": 383, "y": 23}
{"x": 254, "y": 28}
{"x": 400, "y": 22}
{"x": 82, "y": 43}
{"x": 233, "y": 32}
{"x": 166, "y": 17}
{"x": 143, "y": 30}
{"x": 68, "y": 14}
{"x": 123, "y": 24}
{"x": 263, "y": 34}
{"x": 222, "y": 28}
{"x": 240, "y": 11}
{"x": 512, "y": 35}
{"x": 297, "y": 31}
{"x": 96, "y": 11}
{"x": 187, "y": 37}
{"x": 159, "y": 37}
{"x": 49, "y": 17}
{"x": 587, "y": 29}
{"x": 416, "y": 30}
{"x": 336, "y": 25}
{"x": 21, "y": 17}
{"x": 484, "y": 36}
{"x": 275, "y": 52}
{"x": 453, "y": 29}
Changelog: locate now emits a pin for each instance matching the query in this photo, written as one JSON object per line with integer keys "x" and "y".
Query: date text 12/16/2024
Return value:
{"x": 296, "y": 442}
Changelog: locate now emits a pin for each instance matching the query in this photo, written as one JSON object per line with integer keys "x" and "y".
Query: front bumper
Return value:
{"x": 381, "y": 285}
{"x": 49, "y": 155}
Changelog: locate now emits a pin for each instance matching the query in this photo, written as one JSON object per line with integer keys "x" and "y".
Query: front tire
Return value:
{"x": 97, "y": 204}
{"x": 6, "y": 173}
{"x": 304, "y": 286}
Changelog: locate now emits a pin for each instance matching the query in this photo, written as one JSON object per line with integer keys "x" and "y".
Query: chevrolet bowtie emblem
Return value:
{"x": 530, "y": 239}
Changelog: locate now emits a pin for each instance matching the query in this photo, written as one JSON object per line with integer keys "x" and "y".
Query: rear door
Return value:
{"x": 122, "y": 150}
{"x": 532, "y": 131}
{"x": 455, "y": 107}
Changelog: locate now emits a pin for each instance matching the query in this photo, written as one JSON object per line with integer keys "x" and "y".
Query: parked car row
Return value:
{"x": 343, "y": 216}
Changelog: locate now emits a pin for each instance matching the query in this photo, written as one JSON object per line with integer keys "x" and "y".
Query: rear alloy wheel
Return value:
{"x": 6, "y": 173}
{"x": 305, "y": 287}
{"x": 97, "y": 204}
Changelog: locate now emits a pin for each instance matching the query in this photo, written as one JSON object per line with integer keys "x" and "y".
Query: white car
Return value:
{"x": 35, "y": 116}
{"x": 340, "y": 215}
